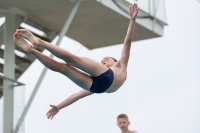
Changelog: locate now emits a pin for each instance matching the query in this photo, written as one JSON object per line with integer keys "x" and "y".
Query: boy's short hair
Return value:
{"x": 114, "y": 59}
{"x": 124, "y": 116}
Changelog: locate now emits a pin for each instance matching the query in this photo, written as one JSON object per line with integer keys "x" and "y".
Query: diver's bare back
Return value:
{"x": 120, "y": 75}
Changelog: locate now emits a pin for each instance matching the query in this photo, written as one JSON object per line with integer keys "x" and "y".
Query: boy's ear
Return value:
{"x": 117, "y": 124}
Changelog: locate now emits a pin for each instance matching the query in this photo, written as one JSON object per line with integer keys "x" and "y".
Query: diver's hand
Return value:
{"x": 52, "y": 112}
{"x": 133, "y": 11}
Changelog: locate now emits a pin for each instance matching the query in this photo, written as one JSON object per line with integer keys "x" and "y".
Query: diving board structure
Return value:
{"x": 93, "y": 23}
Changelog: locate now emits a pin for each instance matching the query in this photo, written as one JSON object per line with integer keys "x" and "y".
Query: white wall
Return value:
{"x": 161, "y": 94}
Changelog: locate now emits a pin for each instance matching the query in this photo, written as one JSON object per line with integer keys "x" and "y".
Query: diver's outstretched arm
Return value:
{"x": 70, "y": 100}
{"x": 133, "y": 10}
{"x": 73, "y": 98}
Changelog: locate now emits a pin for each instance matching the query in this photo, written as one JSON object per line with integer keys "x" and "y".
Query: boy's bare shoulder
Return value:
{"x": 133, "y": 132}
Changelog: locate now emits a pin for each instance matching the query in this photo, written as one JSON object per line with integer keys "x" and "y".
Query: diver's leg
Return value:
{"x": 78, "y": 77}
{"x": 88, "y": 65}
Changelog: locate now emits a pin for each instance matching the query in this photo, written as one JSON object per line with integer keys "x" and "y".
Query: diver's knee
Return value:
{"x": 73, "y": 60}
{"x": 63, "y": 68}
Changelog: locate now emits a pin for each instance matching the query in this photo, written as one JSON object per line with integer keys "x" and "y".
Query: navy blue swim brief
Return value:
{"x": 102, "y": 82}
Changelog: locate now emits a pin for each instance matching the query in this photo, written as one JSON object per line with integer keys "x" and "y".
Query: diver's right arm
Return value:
{"x": 71, "y": 99}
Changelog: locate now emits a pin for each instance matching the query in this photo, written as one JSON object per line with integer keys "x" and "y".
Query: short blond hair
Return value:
{"x": 124, "y": 116}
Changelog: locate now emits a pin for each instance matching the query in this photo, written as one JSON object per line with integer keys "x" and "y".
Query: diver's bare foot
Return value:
{"x": 28, "y": 35}
{"x": 22, "y": 43}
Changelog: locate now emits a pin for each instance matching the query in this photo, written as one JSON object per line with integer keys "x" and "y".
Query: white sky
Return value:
{"x": 161, "y": 94}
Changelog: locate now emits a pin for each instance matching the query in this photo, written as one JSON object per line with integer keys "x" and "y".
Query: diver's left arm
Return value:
{"x": 133, "y": 10}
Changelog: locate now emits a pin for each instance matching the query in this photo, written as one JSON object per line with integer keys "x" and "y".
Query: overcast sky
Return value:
{"x": 161, "y": 94}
